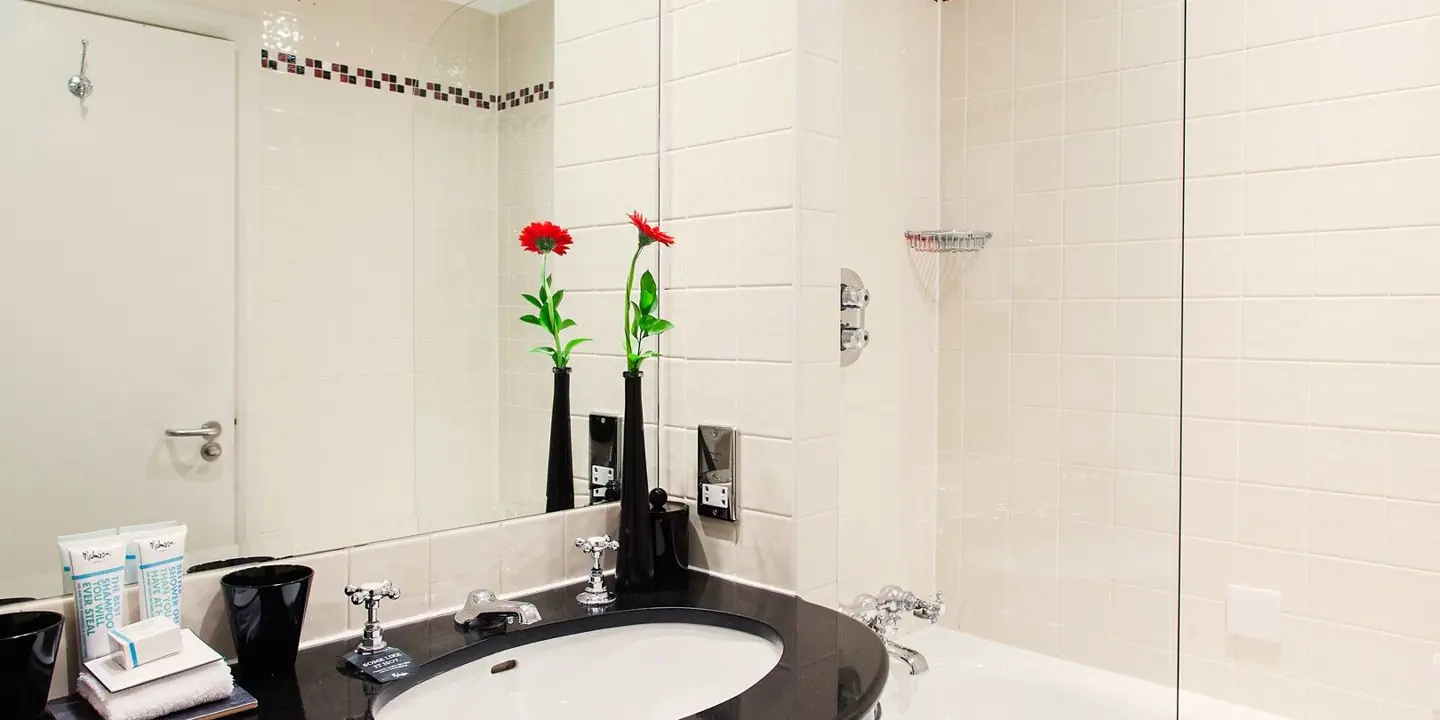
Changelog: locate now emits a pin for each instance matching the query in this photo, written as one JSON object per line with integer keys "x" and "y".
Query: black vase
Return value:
{"x": 559, "y": 482}
{"x": 635, "y": 564}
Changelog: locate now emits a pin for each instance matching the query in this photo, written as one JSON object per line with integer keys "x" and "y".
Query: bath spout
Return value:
{"x": 913, "y": 658}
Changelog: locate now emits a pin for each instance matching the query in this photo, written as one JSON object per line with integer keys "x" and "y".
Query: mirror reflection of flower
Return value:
{"x": 545, "y": 239}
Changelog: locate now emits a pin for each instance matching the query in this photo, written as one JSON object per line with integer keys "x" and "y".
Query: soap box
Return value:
{"x": 146, "y": 640}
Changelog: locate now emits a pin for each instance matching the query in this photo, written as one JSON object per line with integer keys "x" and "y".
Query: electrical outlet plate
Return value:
{"x": 716, "y": 463}
{"x": 604, "y": 458}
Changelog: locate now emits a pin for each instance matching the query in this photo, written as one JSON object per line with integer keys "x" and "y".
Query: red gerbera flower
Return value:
{"x": 545, "y": 237}
{"x": 649, "y": 233}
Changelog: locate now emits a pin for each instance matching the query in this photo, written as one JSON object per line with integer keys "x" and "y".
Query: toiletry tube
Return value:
{"x": 162, "y": 572}
{"x": 99, "y": 569}
{"x": 132, "y": 553}
{"x": 67, "y": 583}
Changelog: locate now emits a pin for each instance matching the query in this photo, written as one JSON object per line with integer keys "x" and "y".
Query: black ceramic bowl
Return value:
{"x": 29, "y": 643}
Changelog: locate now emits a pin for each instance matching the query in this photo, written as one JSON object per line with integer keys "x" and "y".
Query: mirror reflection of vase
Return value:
{"x": 560, "y": 473}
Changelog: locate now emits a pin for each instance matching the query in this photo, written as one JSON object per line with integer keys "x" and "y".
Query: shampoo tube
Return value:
{"x": 162, "y": 573}
{"x": 132, "y": 553}
{"x": 67, "y": 583}
{"x": 99, "y": 570}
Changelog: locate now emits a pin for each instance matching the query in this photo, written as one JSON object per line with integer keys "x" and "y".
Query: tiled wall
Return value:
{"x": 890, "y": 171}
{"x": 1312, "y": 352}
{"x": 434, "y": 573}
{"x": 1060, "y": 344}
{"x": 750, "y": 164}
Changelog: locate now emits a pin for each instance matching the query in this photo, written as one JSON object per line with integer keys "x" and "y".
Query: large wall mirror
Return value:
{"x": 284, "y": 308}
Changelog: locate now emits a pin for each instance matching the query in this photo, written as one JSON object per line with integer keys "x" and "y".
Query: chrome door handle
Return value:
{"x": 209, "y": 431}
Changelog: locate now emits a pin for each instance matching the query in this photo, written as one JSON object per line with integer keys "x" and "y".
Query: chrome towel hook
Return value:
{"x": 80, "y": 86}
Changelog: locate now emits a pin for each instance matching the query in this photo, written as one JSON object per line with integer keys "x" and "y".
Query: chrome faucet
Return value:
{"x": 372, "y": 638}
{"x": 483, "y": 604}
{"x": 882, "y": 615}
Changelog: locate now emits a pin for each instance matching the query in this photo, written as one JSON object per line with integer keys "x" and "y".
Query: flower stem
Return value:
{"x": 552, "y": 316}
{"x": 630, "y": 349}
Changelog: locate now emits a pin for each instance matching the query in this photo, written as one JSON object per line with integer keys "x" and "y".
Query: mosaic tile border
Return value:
{"x": 291, "y": 64}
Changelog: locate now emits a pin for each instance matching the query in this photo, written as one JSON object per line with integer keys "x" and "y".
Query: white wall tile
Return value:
{"x": 526, "y": 558}
{"x": 406, "y": 563}
{"x": 1269, "y": 22}
{"x": 575, "y": 19}
{"x": 1281, "y": 138}
{"x": 1151, "y": 153}
{"x": 632, "y": 50}
{"x": 1092, "y": 47}
{"x": 1040, "y": 111}
{"x": 1346, "y": 526}
{"x": 605, "y": 128}
{"x": 1040, "y": 57}
{"x": 1092, "y": 159}
{"x": 1215, "y": 85}
{"x": 1215, "y": 26}
{"x": 1215, "y": 145}
{"x": 1092, "y": 103}
{"x": 462, "y": 561}
{"x": 820, "y": 23}
{"x": 1282, "y": 74}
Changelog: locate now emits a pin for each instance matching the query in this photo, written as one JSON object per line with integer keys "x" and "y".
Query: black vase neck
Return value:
{"x": 560, "y": 370}
{"x": 633, "y": 374}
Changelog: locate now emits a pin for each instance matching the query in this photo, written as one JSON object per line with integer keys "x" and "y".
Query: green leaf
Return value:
{"x": 654, "y": 325}
{"x": 533, "y": 301}
{"x": 648, "y": 293}
{"x": 544, "y": 349}
{"x": 571, "y": 345}
{"x": 553, "y": 316}
{"x": 544, "y": 293}
{"x": 566, "y": 325}
{"x": 634, "y": 319}
{"x": 545, "y": 322}
{"x": 650, "y": 354}
{"x": 555, "y": 300}
{"x": 531, "y": 319}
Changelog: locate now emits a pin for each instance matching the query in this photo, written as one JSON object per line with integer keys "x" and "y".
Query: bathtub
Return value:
{"x": 975, "y": 679}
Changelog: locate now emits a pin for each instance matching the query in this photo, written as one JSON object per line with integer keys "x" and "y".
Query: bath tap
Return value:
{"x": 882, "y": 615}
{"x": 913, "y": 658}
{"x": 483, "y": 604}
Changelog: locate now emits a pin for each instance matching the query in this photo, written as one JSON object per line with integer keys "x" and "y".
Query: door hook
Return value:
{"x": 80, "y": 86}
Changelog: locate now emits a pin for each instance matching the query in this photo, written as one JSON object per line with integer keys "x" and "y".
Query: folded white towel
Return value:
{"x": 159, "y": 698}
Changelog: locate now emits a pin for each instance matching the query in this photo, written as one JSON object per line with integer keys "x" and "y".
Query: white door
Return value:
{"x": 117, "y": 284}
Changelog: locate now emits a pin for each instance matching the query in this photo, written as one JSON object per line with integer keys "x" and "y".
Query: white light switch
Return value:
{"x": 1252, "y": 613}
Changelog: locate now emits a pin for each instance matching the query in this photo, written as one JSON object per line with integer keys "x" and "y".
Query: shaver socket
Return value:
{"x": 716, "y": 463}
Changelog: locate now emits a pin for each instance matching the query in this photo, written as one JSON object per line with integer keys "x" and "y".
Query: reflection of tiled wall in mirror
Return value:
{"x": 456, "y": 355}
{"x": 526, "y": 170}
{"x": 329, "y": 361}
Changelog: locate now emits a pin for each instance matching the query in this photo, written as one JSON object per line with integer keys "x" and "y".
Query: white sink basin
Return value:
{"x": 653, "y": 671}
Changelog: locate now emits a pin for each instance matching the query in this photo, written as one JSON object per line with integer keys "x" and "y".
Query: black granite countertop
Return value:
{"x": 831, "y": 667}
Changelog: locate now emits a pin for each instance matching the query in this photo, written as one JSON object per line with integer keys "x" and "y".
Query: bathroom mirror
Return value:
{"x": 282, "y": 307}
{"x": 487, "y": 157}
